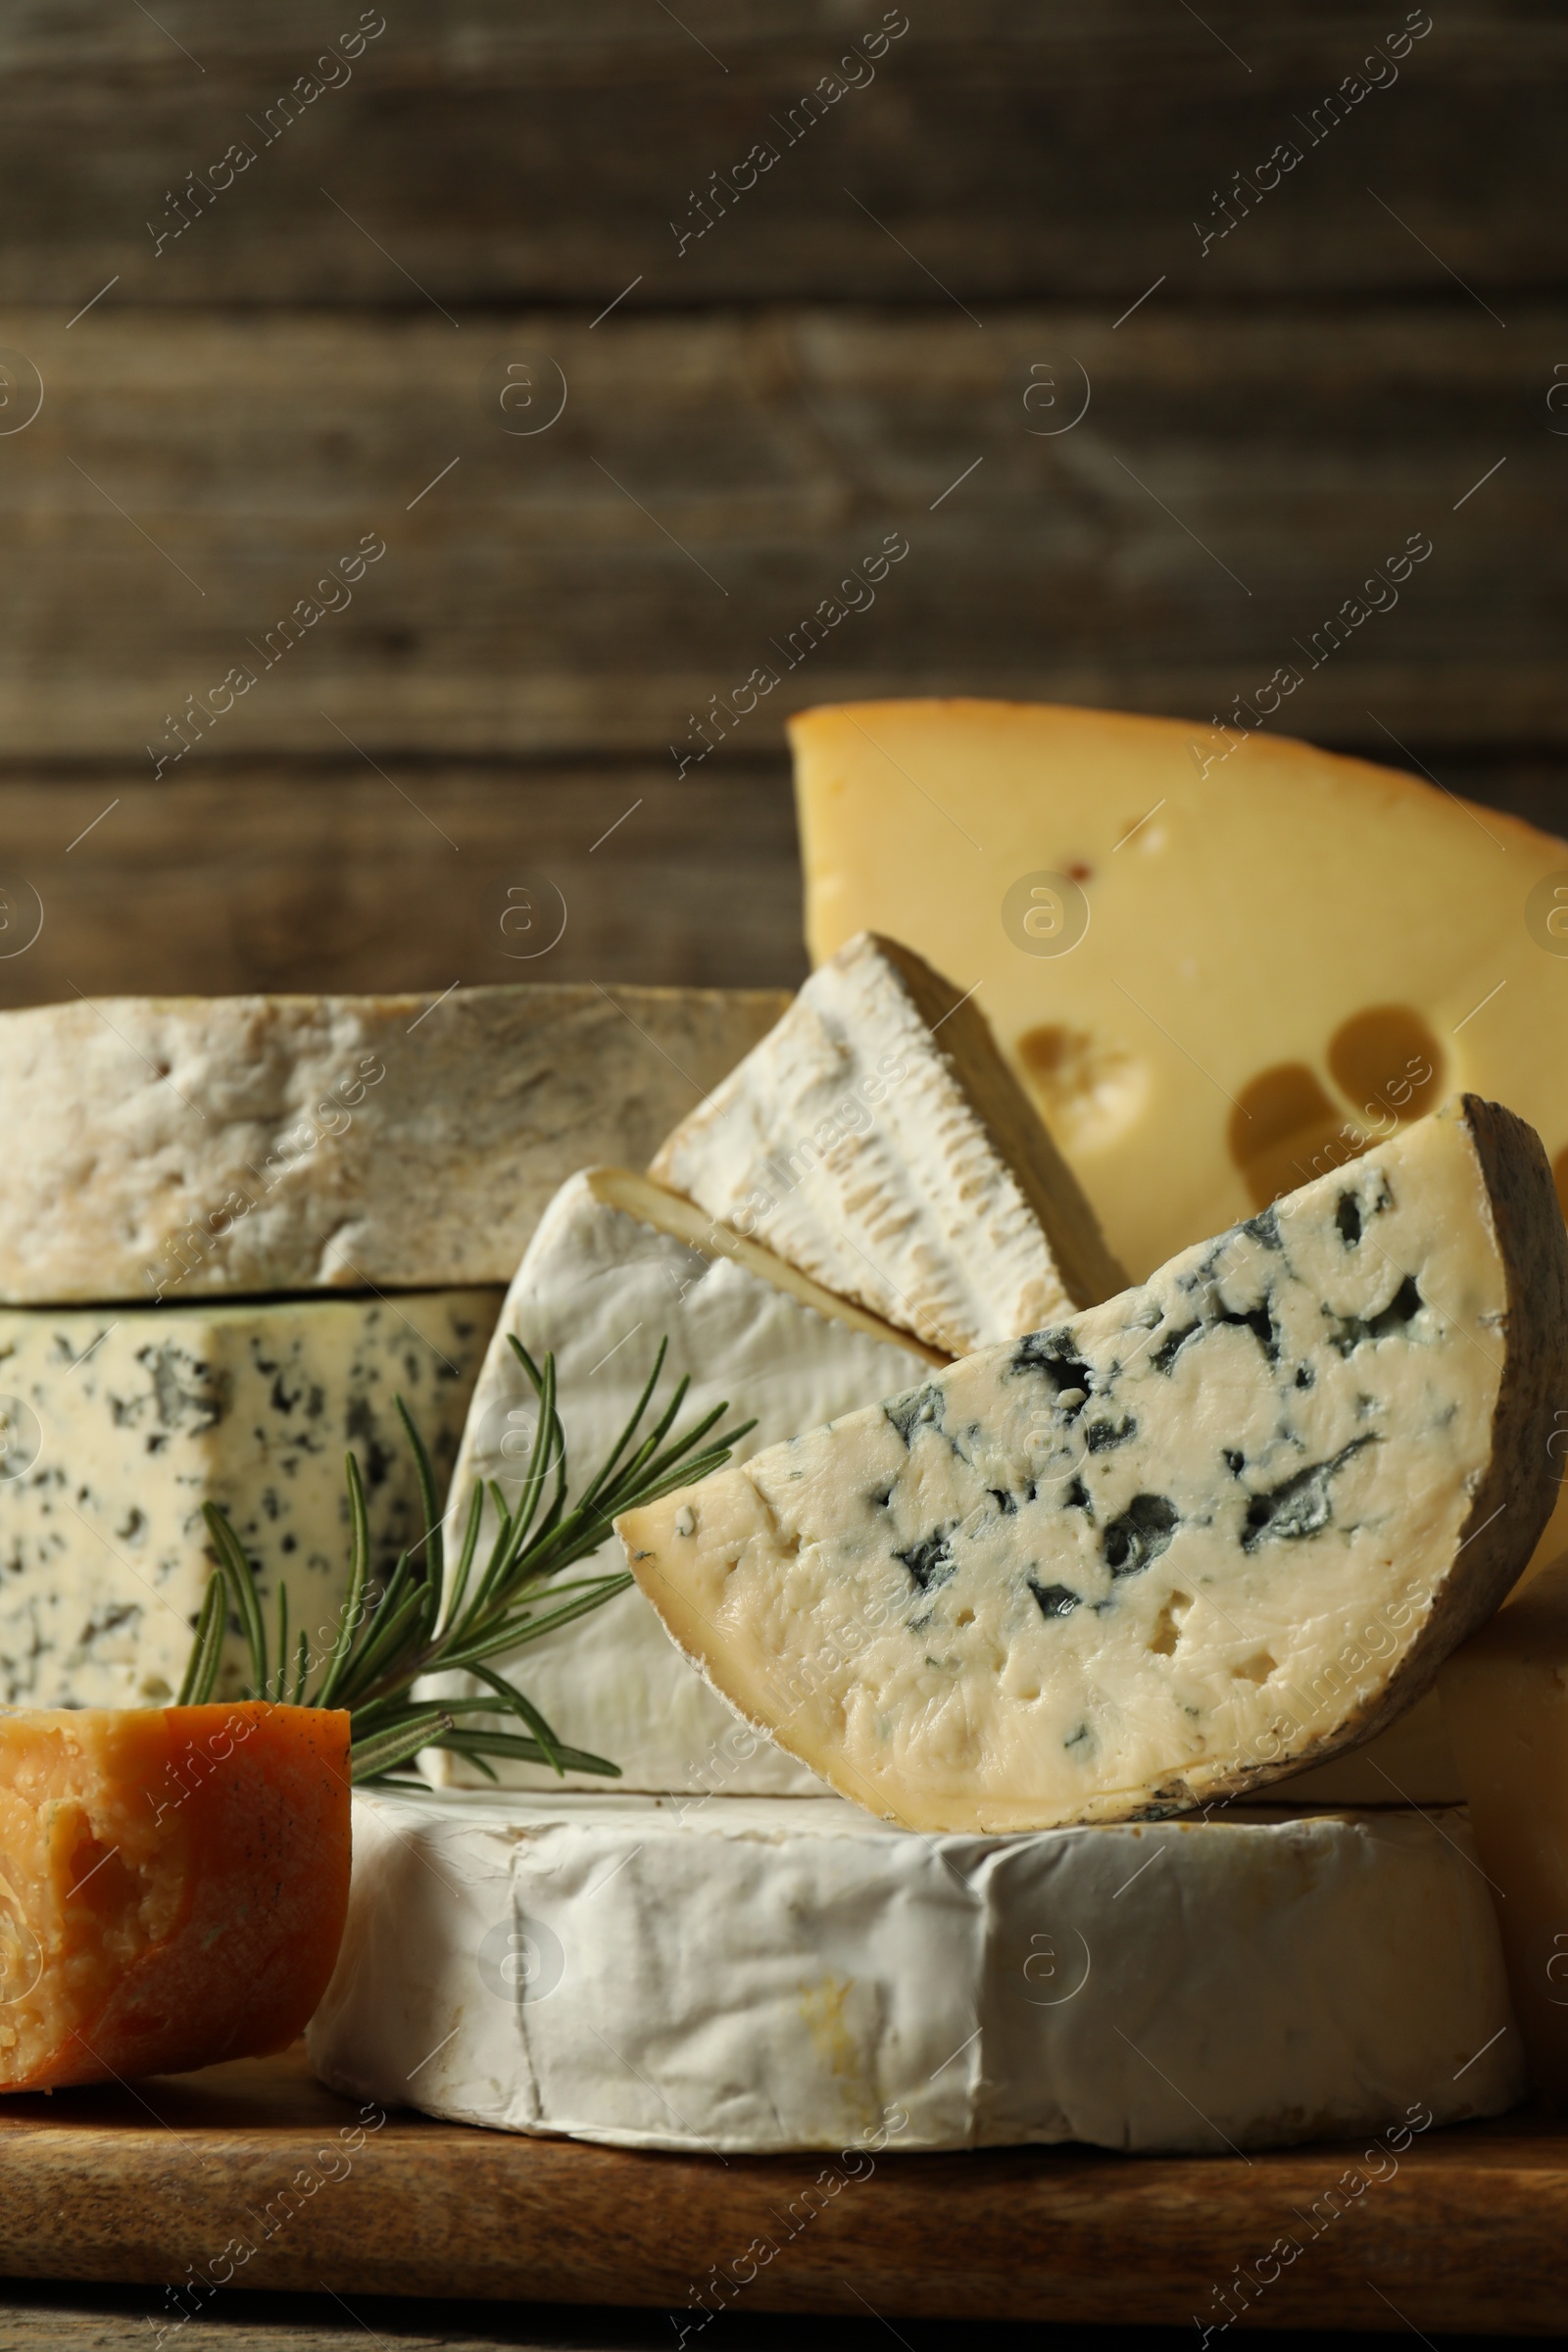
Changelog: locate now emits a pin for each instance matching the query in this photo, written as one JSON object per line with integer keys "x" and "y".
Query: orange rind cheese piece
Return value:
{"x": 173, "y": 1884}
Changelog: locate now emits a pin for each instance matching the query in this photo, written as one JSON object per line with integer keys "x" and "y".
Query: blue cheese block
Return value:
{"x": 1196, "y": 1540}
{"x": 117, "y": 1424}
{"x": 741, "y": 1976}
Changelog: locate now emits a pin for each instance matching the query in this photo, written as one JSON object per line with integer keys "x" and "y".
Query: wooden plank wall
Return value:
{"x": 550, "y": 365}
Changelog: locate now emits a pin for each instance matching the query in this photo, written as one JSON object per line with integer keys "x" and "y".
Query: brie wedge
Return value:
{"x": 615, "y": 1266}
{"x": 1202, "y": 1536}
{"x": 877, "y": 1139}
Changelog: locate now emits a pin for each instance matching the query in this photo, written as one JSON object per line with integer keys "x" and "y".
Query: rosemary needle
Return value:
{"x": 424, "y": 1621}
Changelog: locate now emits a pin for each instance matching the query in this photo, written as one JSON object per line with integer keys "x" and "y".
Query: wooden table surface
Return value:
{"x": 252, "y": 2176}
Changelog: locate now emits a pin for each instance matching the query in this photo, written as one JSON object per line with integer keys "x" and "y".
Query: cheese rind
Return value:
{"x": 615, "y": 1266}
{"x": 1505, "y": 1704}
{"x": 252, "y": 1145}
{"x": 748, "y": 1976}
{"x": 1201, "y": 1537}
{"x": 144, "y": 1414}
{"x": 877, "y": 1139}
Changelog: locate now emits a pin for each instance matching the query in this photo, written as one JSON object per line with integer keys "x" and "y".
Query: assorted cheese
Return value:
{"x": 1223, "y": 1525}
{"x": 173, "y": 1886}
{"x": 1180, "y": 1549}
{"x": 615, "y": 1266}
{"x": 135, "y": 1416}
{"x": 749, "y": 1976}
{"x": 877, "y": 1139}
{"x": 1505, "y": 1699}
{"x": 246, "y": 1144}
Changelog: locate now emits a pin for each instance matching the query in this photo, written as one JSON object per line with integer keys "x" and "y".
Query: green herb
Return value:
{"x": 423, "y": 1622}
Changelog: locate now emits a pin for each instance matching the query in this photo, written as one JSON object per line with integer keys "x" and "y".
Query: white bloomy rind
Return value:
{"x": 1221, "y": 1526}
{"x": 877, "y": 1140}
{"x": 184, "y": 1146}
{"x": 614, "y": 1266}
{"x": 749, "y": 1976}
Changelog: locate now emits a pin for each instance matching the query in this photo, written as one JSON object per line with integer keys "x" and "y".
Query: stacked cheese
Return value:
{"x": 871, "y": 1144}
{"x": 875, "y": 1141}
{"x": 237, "y": 1230}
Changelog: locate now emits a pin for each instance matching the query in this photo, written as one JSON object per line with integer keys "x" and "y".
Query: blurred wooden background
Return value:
{"x": 456, "y": 302}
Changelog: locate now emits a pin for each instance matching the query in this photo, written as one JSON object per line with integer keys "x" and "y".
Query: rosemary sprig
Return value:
{"x": 425, "y": 1621}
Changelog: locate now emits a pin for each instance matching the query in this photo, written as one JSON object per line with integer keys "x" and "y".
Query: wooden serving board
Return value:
{"x": 169, "y": 2181}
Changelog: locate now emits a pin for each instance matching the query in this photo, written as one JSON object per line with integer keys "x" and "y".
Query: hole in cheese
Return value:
{"x": 1167, "y": 1625}
{"x": 1090, "y": 1087}
{"x": 1388, "y": 1060}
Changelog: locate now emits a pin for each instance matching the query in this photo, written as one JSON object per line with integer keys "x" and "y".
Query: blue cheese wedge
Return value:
{"x": 121, "y": 1422}
{"x": 1211, "y": 1531}
{"x": 877, "y": 1139}
{"x": 617, "y": 1265}
{"x": 751, "y": 1975}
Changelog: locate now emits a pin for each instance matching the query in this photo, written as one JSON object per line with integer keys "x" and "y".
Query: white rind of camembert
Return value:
{"x": 1211, "y": 1531}
{"x": 617, "y": 1265}
{"x": 749, "y": 1976}
{"x": 877, "y": 1139}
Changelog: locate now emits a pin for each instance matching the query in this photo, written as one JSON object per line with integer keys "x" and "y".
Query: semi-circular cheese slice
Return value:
{"x": 1218, "y": 1529}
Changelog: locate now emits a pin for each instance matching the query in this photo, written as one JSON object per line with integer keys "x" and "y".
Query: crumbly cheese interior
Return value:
{"x": 88, "y": 1880}
{"x": 1114, "y": 1566}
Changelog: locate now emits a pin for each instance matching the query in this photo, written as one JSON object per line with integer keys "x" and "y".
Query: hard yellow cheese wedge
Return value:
{"x": 1216, "y": 1529}
{"x": 1280, "y": 943}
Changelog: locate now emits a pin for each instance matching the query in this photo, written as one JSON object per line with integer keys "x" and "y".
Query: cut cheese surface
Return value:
{"x": 121, "y": 1422}
{"x": 173, "y": 1886}
{"x": 1211, "y": 1531}
{"x": 1221, "y": 966}
{"x": 1505, "y": 1701}
{"x": 877, "y": 1139}
{"x": 615, "y": 1266}
{"x": 749, "y": 1976}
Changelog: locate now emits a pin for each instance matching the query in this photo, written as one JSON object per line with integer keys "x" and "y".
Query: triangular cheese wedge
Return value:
{"x": 1216, "y": 1529}
{"x": 877, "y": 1139}
{"x": 615, "y": 1265}
{"x": 1272, "y": 955}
